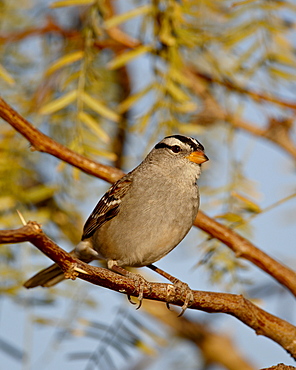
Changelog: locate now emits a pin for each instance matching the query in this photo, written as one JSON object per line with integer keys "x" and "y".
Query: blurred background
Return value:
{"x": 108, "y": 79}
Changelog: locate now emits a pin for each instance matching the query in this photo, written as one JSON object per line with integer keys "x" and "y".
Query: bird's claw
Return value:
{"x": 141, "y": 285}
{"x": 188, "y": 301}
{"x": 184, "y": 289}
{"x": 71, "y": 272}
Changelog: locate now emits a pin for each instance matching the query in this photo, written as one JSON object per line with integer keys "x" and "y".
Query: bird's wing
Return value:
{"x": 107, "y": 208}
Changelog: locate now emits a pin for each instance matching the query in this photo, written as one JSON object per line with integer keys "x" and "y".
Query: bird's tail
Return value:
{"x": 46, "y": 277}
{"x": 53, "y": 274}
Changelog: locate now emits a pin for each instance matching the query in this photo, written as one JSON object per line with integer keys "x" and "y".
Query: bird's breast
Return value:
{"x": 150, "y": 223}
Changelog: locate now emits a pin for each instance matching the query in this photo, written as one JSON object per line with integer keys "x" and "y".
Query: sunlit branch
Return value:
{"x": 259, "y": 320}
{"x": 43, "y": 143}
{"x": 231, "y": 86}
{"x": 277, "y": 132}
{"x": 120, "y": 41}
{"x": 241, "y": 246}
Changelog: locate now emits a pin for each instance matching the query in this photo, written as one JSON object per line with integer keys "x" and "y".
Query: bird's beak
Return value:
{"x": 198, "y": 157}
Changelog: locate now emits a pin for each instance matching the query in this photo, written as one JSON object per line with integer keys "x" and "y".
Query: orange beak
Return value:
{"x": 198, "y": 157}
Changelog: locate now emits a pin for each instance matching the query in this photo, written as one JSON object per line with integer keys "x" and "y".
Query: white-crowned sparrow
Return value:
{"x": 144, "y": 215}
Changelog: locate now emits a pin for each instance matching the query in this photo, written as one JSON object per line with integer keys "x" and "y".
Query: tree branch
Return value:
{"x": 259, "y": 320}
{"x": 213, "y": 112}
{"x": 280, "y": 367}
{"x": 44, "y": 143}
{"x": 231, "y": 86}
{"x": 120, "y": 41}
{"x": 50, "y": 27}
{"x": 241, "y": 246}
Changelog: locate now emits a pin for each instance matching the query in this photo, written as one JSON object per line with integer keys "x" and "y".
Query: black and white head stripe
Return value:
{"x": 190, "y": 141}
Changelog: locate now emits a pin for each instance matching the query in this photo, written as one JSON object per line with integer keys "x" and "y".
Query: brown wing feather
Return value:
{"x": 107, "y": 207}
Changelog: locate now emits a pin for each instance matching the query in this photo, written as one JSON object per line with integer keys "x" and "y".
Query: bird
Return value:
{"x": 143, "y": 216}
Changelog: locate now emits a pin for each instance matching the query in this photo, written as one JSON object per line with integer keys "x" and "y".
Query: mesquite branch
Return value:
{"x": 262, "y": 322}
{"x": 213, "y": 112}
{"x": 240, "y": 246}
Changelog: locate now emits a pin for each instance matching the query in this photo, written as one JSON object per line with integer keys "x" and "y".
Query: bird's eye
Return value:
{"x": 176, "y": 149}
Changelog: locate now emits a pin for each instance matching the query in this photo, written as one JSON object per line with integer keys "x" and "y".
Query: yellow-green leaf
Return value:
{"x": 65, "y": 60}
{"x": 287, "y": 58}
{"x": 38, "y": 193}
{"x": 239, "y": 3}
{"x": 132, "y": 99}
{"x": 59, "y": 4}
{"x": 43, "y": 321}
{"x": 99, "y": 107}
{"x": 76, "y": 172}
{"x": 7, "y": 202}
{"x": 240, "y": 33}
{"x": 143, "y": 122}
{"x": 70, "y": 78}
{"x": 185, "y": 107}
{"x": 249, "y": 205}
{"x": 59, "y": 103}
{"x": 128, "y": 56}
{"x": 179, "y": 77}
{"x": 175, "y": 91}
{"x": 120, "y": 18}
{"x": 6, "y": 76}
{"x": 166, "y": 33}
{"x": 282, "y": 74}
{"x": 246, "y": 55}
{"x": 231, "y": 217}
{"x": 93, "y": 125}
{"x": 101, "y": 153}
{"x": 145, "y": 348}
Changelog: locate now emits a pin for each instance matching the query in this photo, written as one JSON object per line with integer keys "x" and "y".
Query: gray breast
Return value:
{"x": 150, "y": 223}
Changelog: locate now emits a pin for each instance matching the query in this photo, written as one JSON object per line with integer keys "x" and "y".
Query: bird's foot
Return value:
{"x": 141, "y": 285}
{"x": 181, "y": 288}
{"x": 71, "y": 272}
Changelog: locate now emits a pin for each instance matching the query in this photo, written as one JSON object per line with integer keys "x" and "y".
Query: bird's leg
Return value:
{"x": 178, "y": 284}
{"x": 141, "y": 283}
